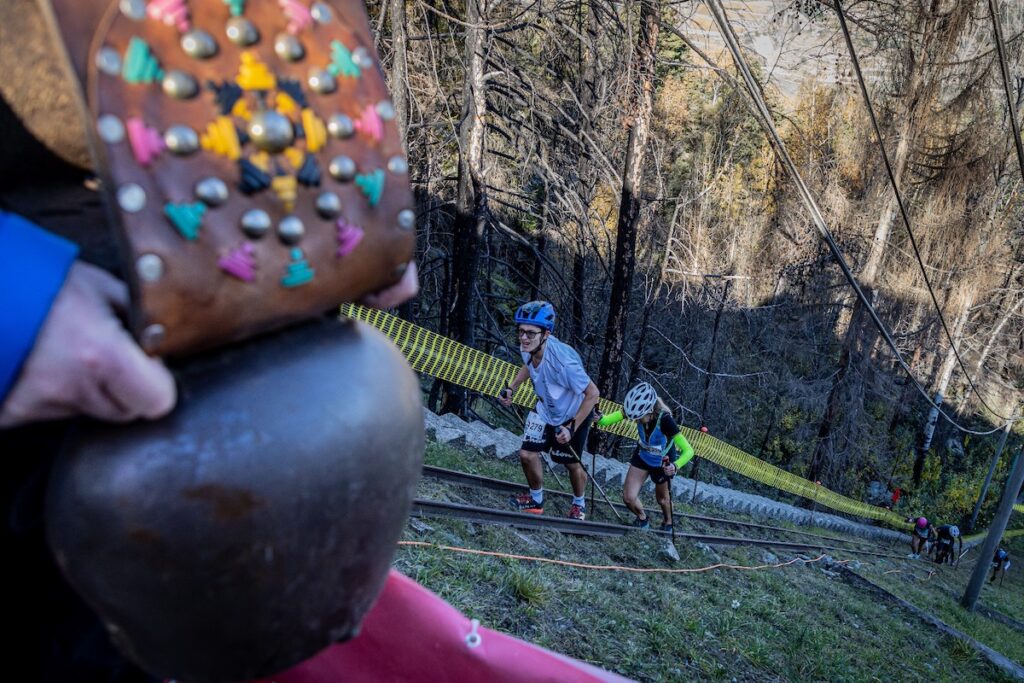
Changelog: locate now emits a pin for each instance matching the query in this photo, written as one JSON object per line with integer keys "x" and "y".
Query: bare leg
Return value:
{"x": 664, "y": 496}
{"x": 635, "y": 478}
{"x": 577, "y": 477}
{"x": 532, "y": 468}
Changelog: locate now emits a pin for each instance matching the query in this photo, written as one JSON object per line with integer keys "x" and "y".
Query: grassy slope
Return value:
{"x": 938, "y": 589}
{"x": 795, "y": 623}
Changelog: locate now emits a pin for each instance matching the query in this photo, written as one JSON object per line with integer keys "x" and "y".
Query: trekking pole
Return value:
{"x": 671, "y": 510}
{"x": 593, "y": 466}
{"x": 671, "y": 513}
{"x": 551, "y": 469}
{"x": 603, "y": 494}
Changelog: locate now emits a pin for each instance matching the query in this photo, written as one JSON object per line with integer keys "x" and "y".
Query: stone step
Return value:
{"x": 452, "y": 437}
{"x": 611, "y": 474}
{"x": 481, "y": 437}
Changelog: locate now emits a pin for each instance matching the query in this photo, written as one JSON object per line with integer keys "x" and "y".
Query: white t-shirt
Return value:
{"x": 559, "y": 381}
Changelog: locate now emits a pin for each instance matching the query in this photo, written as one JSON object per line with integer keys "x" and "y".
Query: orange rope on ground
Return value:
{"x": 609, "y": 567}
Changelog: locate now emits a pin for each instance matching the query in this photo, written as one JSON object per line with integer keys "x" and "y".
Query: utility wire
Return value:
{"x": 732, "y": 42}
{"x": 902, "y": 204}
{"x": 1011, "y": 106}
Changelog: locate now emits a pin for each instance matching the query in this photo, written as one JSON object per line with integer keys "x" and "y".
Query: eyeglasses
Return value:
{"x": 527, "y": 333}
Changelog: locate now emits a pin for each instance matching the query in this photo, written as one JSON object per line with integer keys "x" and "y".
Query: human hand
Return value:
{"x": 563, "y": 435}
{"x": 669, "y": 469}
{"x": 85, "y": 363}
{"x": 505, "y": 397}
{"x": 398, "y": 293}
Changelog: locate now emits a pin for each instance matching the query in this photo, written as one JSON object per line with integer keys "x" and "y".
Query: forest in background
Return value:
{"x": 601, "y": 155}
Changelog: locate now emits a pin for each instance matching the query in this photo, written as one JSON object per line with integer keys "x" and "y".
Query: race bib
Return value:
{"x": 534, "y": 428}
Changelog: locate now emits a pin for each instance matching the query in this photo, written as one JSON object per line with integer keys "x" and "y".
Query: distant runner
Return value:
{"x": 919, "y": 536}
{"x": 1000, "y": 563}
{"x": 945, "y": 536}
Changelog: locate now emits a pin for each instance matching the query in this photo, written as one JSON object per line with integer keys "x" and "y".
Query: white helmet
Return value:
{"x": 954, "y": 531}
{"x": 640, "y": 400}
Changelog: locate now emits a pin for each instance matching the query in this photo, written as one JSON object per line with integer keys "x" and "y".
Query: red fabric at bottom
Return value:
{"x": 412, "y": 635}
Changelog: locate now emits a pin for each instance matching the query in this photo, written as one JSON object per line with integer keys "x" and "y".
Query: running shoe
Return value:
{"x": 524, "y": 502}
{"x": 576, "y": 512}
{"x": 642, "y": 523}
{"x": 666, "y": 527}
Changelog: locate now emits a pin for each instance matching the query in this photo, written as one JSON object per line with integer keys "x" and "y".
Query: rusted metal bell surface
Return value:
{"x": 256, "y": 524}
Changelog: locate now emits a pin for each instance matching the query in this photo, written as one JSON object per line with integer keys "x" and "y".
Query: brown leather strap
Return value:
{"x": 201, "y": 274}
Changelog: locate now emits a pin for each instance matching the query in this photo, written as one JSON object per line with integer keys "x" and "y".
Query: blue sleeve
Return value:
{"x": 33, "y": 265}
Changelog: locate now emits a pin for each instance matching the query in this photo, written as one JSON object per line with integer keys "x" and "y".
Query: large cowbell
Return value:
{"x": 255, "y": 525}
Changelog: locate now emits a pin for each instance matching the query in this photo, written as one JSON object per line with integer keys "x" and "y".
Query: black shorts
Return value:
{"x": 560, "y": 453}
{"x": 657, "y": 473}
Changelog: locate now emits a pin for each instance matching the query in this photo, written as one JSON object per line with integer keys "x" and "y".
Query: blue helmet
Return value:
{"x": 539, "y": 313}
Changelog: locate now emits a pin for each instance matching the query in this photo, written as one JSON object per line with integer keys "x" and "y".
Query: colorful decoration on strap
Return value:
{"x": 298, "y": 271}
{"x": 349, "y": 237}
{"x": 240, "y": 263}
{"x": 140, "y": 66}
{"x": 253, "y": 74}
{"x": 284, "y": 103}
{"x": 293, "y": 89}
{"x": 171, "y": 12}
{"x": 253, "y": 178}
{"x": 342, "y": 63}
{"x": 237, "y": 7}
{"x": 187, "y": 219}
{"x": 146, "y": 142}
{"x": 226, "y": 95}
{"x": 314, "y": 130}
{"x": 370, "y": 124}
{"x": 309, "y": 172}
{"x": 298, "y": 15}
{"x": 221, "y": 137}
{"x": 372, "y": 185}
{"x": 285, "y": 188}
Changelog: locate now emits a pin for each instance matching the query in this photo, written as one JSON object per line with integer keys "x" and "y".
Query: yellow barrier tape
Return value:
{"x": 1009, "y": 533}
{"x": 450, "y": 361}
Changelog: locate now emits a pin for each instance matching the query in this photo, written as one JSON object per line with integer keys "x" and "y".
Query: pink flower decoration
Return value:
{"x": 370, "y": 124}
{"x": 146, "y": 142}
{"x": 170, "y": 12}
{"x": 298, "y": 15}
{"x": 240, "y": 263}
{"x": 349, "y": 237}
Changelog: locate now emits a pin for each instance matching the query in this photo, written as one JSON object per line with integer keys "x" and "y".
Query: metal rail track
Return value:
{"x": 478, "y": 481}
{"x": 471, "y": 513}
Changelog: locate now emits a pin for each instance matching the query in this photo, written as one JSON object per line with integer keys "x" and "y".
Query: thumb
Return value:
{"x": 139, "y": 383}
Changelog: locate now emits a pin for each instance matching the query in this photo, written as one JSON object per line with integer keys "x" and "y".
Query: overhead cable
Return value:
{"x": 902, "y": 204}
{"x": 732, "y": 42}
{"x": 1011, "y": 106}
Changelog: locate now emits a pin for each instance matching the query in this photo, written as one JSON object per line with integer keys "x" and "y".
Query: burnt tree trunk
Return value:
{"x": 471, "y": 202}
{"x": 629, "y": 203}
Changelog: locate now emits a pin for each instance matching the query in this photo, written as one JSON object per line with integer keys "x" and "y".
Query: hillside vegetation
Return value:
{"x": 799, "y": 622}
{"x": 602, "y": 156}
